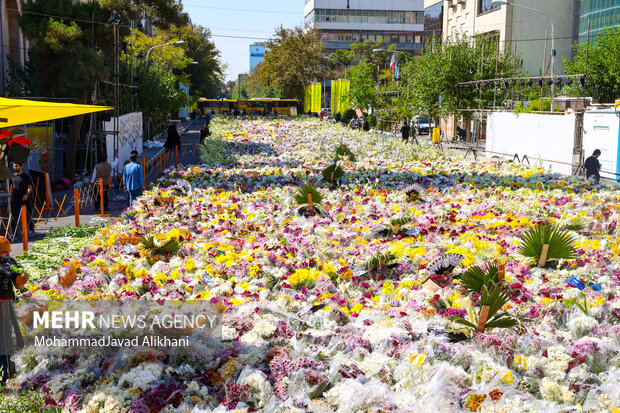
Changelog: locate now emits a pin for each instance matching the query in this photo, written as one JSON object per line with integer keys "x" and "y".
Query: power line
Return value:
{"x": 242, "y": 10}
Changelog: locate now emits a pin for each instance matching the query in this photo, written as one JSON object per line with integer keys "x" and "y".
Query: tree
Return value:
{"x": 433, "y": 76}
{"x": 158, "y": 95}
{"x": 72, "y": 53}
{"x": 203, "y": 76}
{"x": 290, "y": 53}
{"x": 363, "y": 92}
{"x": 603, "y": 56}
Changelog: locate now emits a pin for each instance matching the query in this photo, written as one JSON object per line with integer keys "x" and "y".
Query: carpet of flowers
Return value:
{"x": 381, "y": 340}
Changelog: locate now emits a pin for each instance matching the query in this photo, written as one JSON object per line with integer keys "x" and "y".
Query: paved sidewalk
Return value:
{"x": 118, "y": 199}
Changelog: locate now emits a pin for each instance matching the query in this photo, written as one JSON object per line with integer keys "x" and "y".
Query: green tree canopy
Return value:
{"x": 433, "y": 76}
{"x": 363, "y": 92}
{"x": 293, "y": 60}
{"x": 603, "y": 57}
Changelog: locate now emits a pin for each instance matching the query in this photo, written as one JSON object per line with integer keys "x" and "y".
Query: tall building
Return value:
{"x": 342, "y": 22}
{"x": 257, "y": 55}
{"x": 433, "y": 17}
{"x": 527, "y": 31}
{"x": 600, "y": 14}
{"x": 12, "y": 40}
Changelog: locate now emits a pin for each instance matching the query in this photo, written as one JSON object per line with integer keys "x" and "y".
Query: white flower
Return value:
{"x": 581, "y": 325}
{"x": 141, "y": 376}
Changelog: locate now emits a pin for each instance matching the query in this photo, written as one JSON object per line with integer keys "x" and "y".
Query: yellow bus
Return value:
{"x": 261, "y": 105}
{"x": 216, "y": 105}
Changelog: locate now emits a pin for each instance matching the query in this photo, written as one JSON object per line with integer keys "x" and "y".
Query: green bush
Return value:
{"x": 372, "y": 119}
{"x": 347, "y": 115}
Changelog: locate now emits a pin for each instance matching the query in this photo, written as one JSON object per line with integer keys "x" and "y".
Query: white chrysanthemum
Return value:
{"x": 142, "y": 376}
{"x": 581, "y": 325}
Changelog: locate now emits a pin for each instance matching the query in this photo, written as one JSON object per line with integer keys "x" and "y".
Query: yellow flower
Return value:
{"x": 357, "y": 308}
{"x": 418, "y": 359}
{"x": 235, "y": 301}
{"x": 388, "y": 288}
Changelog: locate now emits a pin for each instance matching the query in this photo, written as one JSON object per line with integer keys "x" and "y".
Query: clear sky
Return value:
{"x": 235, "y": 24}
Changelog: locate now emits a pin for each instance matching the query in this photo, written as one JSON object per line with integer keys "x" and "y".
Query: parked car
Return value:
{"x": 422, "y": 127}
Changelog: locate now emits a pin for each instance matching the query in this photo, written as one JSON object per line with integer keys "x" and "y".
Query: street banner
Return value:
{"x": 340, "y": 96}
{"x": 307, "y": 98}
{"x": 316, "y": 98}
{"x": 345, "y": 88}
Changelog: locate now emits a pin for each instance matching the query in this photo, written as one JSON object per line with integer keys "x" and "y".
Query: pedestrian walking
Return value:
{"x": 404, "y": 131}
{"x": 173, "y": 138}
{"x": 204, "y": 133}
{"x": 207, "y": 119}
{"x": 593, "y": 166}
{"x": 9, "y": 279}
{"x": 103, "y": 170}
{"x": 22, "y": 193}
{"x": 132, "y": 177}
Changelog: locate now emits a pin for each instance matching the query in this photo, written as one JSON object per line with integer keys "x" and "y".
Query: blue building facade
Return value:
{"x": 601, "y": 14}
{"x": 257, "y": 55}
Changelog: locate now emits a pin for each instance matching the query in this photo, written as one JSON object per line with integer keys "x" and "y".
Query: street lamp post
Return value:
{"x": 396, "y": 51}
{"x": 148, "y": 54}
{"x": 506, "y": 3}
{"x": 162, "y": 45}
{"x": 340, "y": 63}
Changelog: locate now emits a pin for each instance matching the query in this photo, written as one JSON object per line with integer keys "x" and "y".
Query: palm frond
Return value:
{"x": 379, "y": 260}
{"x": 475, "y": 278}
{"x": 560, "y": 243}
{"x": 414, "y": 191}
{"x": 376, "y": 232}
{"x": 577, "y": 225}
{"x": 302, "y": 196}
{"x": 332, "y": 173}
{"x": 445, "y": 264}
{"x": 495, "y": 297}
{"x": 343, "y": 152}
{"x": 401, "y": 221}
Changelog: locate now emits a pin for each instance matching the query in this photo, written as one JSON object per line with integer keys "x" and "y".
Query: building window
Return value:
{"x": 485, "y": 6}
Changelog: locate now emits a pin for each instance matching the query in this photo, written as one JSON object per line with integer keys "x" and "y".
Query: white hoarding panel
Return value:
{"x": 547, "y": 137}
{"x": 600, "y": 131}
{"x": 130, "y": 137}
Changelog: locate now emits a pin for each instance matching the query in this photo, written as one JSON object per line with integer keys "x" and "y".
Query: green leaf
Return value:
{"x": 461, "y": 320}
{"x": 343, "y": 152}
{"x": 337, "y": 173}
{"x": 475, "y": 278}
{"x": 560, "y": 243}
{"x": 302, "y": 196}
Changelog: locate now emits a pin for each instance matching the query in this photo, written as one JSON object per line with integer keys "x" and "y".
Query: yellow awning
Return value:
{"x": 15, "y": 112}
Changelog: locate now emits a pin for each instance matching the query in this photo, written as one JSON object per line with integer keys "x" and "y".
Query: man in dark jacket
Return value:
{"x": 22, "y": 193}
{"x": 593, "y": 166}
{"x": 404, "y": 130}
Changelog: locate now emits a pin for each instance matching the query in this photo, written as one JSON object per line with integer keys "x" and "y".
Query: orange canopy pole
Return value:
{"x": 101, "y": 194}
{"x": 76, "y": 201}
{"x": 25, "y": 228}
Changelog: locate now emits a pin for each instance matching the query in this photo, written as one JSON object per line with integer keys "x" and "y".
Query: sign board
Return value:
{"x": 129, "y": 139}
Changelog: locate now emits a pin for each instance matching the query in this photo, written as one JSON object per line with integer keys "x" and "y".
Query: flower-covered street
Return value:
{"x": 361, "y": 297}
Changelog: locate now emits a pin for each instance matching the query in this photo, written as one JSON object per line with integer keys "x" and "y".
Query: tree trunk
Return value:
{"x": 72, "y": 144}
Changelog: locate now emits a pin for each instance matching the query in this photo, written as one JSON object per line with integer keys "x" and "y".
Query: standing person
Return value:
{"x": 103, "y": 170}
{"x": 22, "y": 194}
{"x": 204, "y": 133}
{"x": 593, "y": 166}
{"x": 173, "y": 138}
{"x": 9, "y": 280}
{"x": 366, "y": 126}
{"x": 132, "y": 177}
{"x": 404, "y": 130}
{"x": 115, "y": 173}
{"x": 207, "y": 119}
